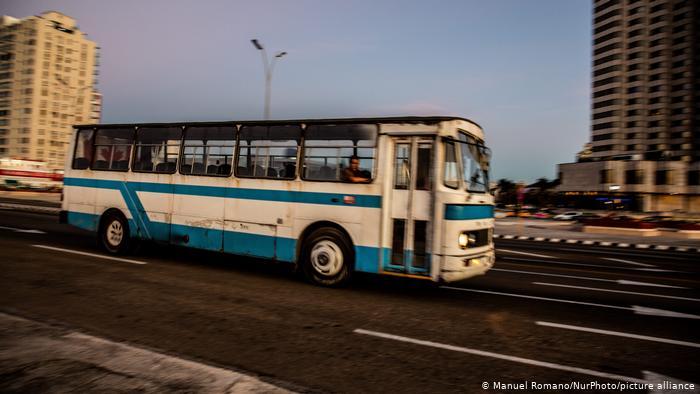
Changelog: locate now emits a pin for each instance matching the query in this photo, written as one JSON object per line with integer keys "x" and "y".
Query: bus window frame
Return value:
{"x": 374, "y": 159}
{"x": 233, "y": 162}
{"x": 234, "y": 170}
{"x": 479, "y": 143}
{"x": 445, "y": 142}
{"x": 131, "y": 151}
{"x": 134, "y": 146}
{"x": 75, "y": 148}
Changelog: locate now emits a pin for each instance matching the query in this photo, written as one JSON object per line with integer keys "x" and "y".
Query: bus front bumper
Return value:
{"x": 456, "y": 268}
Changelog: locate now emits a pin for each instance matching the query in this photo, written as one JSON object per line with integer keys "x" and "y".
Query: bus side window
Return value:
{"x": 328, "y": 149}
{"x": 83, "y": 149}
{"x": 268, "y": 151}
{"x": 424, "y": 167}
{"x": 112, "y": 149}
{"x": 402, "y": 166}
{"x": 157, "y": 149}
{"x": 450, "y": 171}
{"x": 208, "y": 151}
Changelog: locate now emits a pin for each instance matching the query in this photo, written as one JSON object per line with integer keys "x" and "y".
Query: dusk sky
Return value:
{"x": 521, "y": 69}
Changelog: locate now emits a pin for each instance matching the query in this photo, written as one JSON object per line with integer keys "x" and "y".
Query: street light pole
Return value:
{"x": 268, "y": 68}
{"x": 78, "y": 90}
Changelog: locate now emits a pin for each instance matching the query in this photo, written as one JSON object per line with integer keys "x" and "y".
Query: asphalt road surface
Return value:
{"x": 546, "y": 314}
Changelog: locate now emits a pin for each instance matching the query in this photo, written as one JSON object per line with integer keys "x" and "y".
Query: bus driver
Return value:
{"x": 353, "y": 172}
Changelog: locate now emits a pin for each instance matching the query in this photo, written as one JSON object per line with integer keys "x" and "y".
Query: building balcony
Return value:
{"x": 608, "y": 8}
{"x": 611, "y": 29}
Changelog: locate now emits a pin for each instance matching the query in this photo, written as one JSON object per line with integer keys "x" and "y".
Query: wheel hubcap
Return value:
{"x": 115, "y": 233}
{"x": 327, "y": 258}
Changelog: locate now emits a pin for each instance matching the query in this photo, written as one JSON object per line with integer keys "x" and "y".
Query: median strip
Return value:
{"x": 587, "y": 242}
{"x": 100, "y": 256}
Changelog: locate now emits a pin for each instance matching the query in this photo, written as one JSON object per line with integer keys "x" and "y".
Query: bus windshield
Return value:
{"x": 475, "y": 163}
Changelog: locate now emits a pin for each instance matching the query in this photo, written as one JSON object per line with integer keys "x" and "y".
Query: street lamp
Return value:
{"x": 268, "y": 68}
{"x": 77, "y": 92}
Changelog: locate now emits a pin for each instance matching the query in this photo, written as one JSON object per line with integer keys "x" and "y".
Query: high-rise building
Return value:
{"x": 48, "y": 75}
{"x": 645, "y": 124}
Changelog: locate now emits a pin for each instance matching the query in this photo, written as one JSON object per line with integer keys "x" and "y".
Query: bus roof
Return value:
{"x": 393, "y": 119}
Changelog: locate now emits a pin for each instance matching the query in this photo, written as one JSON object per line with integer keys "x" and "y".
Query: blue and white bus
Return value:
{"x": 403, "y": 196}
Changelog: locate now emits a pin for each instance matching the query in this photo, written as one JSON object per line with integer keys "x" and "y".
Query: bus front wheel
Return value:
{"x": 114, "y": 234}
{"x": 326, "y": 257}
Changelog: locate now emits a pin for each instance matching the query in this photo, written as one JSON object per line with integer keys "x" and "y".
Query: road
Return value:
{"x": 545, "y": 313}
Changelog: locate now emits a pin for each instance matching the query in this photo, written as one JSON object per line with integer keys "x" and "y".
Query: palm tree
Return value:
{"x": 507, "y": 192}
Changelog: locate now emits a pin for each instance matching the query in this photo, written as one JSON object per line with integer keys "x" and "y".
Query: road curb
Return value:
{"x": 37, "y": 354}
{"x": 626, "y": 245}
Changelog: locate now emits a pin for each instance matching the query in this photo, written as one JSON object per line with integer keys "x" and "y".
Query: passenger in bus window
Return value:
{"x": 353, "y": 172}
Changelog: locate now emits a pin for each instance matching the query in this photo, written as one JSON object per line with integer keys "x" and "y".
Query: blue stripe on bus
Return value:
{"x": 468, "y": 212}
{"x": 86, "y": 221}
{"x": 279, "y": 248}
{"x": 283, "y": 249}
{"x": 197, "y": 237}
{"x": 366, "y": 201}
{"x": 367, "y": 258}
{"x": 250, "y": 244}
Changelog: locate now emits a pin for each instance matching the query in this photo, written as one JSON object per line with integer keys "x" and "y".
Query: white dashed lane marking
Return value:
{"x": 616, "y": 291}
{"x": 618, "y": 334}
{"x": 618, "y": 281}
{"x": 99, "y": 256}
{"x": 505, "y": 357}
{"x": 543, "y": 256}
{"x": 627, "y": 262}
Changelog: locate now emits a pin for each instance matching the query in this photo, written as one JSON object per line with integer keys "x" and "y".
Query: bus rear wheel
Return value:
{"x": 114, "y": 234}
{"x": 326, "y": 258}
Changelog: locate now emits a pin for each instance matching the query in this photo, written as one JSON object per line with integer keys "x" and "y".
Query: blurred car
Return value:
{"x": 571, "y": 215}
{"x": 542, "y": 215}
{"x": 657, "y": 218}
{"x": 503, "y": 213}
{"x": 523, "y": 214}
{"x": 587, "y": 216}
{"x": 668, "y": 222}
{"x": 619, "y": 221}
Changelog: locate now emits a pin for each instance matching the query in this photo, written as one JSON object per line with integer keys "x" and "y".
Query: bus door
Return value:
{"x": 411, "y": 205}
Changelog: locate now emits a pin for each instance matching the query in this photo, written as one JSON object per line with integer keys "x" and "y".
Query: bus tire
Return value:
{"x": 327, "y": 258}
{"x": 114, "y": 234}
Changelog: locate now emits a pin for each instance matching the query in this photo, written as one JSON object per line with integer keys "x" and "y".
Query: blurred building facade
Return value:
{"x": 48, "y": 77}
{"x": 645, "y": 123}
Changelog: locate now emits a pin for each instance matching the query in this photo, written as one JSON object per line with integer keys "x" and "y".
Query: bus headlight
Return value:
{"x": 463, "y": 240}
{"x": 466, "y": 239}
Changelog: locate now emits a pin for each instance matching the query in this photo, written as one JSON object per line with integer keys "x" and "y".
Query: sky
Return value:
{"x": 520, "y": 69}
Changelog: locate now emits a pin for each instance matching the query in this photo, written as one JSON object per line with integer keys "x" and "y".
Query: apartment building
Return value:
{"x": 48, "y": 77}
{"x": 645, "y": 111}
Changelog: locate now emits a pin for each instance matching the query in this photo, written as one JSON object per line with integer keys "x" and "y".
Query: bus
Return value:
{"x": 403, "y": 196}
